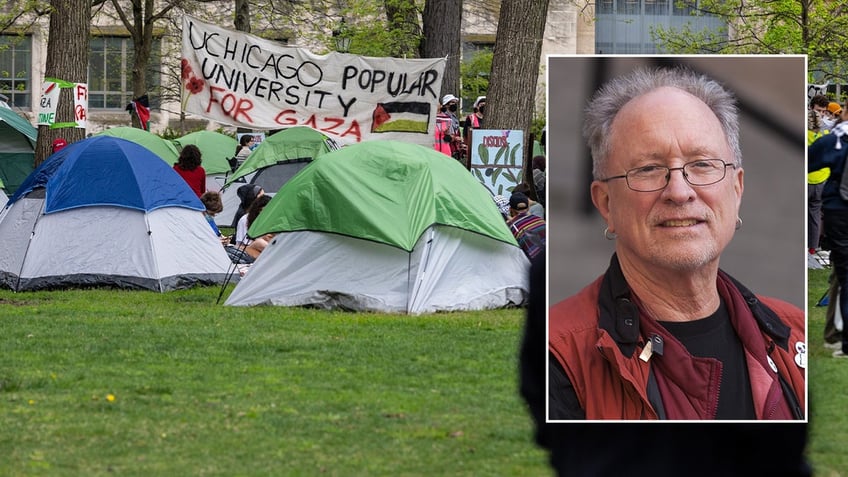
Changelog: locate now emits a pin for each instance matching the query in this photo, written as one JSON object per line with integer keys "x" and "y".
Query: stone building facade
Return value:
{"x": 569, "y": 30}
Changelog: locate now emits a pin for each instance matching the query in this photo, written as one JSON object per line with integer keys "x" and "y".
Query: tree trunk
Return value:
{"x": 142, "y": 37}
{"x": 510, "y": 101}
{"x": 67, "y": 59}
{"x": 242, "y": 20}
{"x": 442, "y": 21}
{"x": 140, "y": 25}
{"x": 242, "y": 23}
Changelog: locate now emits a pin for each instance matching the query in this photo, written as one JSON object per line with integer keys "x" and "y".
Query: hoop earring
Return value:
{"x": 738, "y": 223}
{"x": 609, "y": 235}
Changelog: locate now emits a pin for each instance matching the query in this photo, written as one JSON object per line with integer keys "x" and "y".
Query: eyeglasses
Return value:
{"x": 702, "y": 172}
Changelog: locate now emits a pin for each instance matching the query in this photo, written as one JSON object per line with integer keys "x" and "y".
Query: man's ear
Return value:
{"x": 739, "y": 186}
{"x": 601, "y": 199}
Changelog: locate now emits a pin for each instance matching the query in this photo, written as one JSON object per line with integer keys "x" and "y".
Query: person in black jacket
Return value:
{"x": 831, "y": 151}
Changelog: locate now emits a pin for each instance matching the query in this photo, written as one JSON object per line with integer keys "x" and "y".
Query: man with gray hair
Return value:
{"x": 665, "y": 333}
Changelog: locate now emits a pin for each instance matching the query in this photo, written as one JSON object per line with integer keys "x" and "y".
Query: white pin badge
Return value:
{"x": 801, "y": 357}
{"x": 771, "y": 363}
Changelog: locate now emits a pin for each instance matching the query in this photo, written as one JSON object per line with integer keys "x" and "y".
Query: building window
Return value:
{"x": 15, "y": 76}
{"x": 110, "y": 72}
{"x": 628, "y": 7}
{"x": 626, "y": 26}
{"x": 656, "y": 7}
{"x": 685, "y": 7}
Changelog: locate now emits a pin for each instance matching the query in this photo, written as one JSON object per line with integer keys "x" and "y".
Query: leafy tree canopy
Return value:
{"x": 815, "y": 27}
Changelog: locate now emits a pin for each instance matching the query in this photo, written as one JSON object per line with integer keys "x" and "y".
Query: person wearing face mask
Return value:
{"x": 475, "y": 119}
{"x": 815, "y": 182}
{"x": 442, "y": 139}
{"x": 449, "y": 134}
{"x": 831, "y": 117}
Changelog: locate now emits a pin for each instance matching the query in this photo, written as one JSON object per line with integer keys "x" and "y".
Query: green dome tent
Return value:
{"x": 17, "y": 149}
{"x": 299, "y": 144}
{"x": 276, "y": 160}
{"x": 385, "y": 226}
{"x": 161, "y": 147}
{"x": 215, "y": 147}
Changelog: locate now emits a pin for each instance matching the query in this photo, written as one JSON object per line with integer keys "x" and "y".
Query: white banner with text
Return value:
{"x": 246, "y": 81}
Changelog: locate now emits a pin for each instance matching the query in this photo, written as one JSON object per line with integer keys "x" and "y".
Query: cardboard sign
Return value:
{"x": 497, "y": 159}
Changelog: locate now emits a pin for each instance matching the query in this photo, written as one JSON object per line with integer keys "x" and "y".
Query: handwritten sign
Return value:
{"x": 50, "y": 100}
{"x": 247, "y": 81}
{"x": 497, "y": 158}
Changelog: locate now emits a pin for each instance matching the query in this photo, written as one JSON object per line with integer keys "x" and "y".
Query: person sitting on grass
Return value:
{"x": 214, "y": 206}
{"x": 255, "y": 246}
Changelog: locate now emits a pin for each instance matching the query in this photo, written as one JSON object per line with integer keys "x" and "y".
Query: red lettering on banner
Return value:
{"x": 81, "y": 91}
{"x": 286, "y": 121}
{"x": 79, "y": 113}
{"x": 230, "y": 104}
{"x": 495, "y": 141}
{"x": 332, "y": 124}
{"x": 354, "y": 131}
{"x": 327, "y": 125}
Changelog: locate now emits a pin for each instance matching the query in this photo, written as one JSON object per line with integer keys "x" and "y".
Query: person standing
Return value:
{"x": 450, "y": 104}
{"x": 830, "y": 151}
{"x": 189, "y": 168}
{"x": 540, "y": 180}
{"x": 442, "y": 137}
{"x": 831, "y": 117}
{"x": 475, "y": 119}
{"x": 815, "y": 185}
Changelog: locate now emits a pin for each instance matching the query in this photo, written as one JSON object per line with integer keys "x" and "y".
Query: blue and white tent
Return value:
{"x": 107, "y": 212}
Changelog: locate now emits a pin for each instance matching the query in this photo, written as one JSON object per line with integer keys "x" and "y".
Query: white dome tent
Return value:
{"x": 107, "y": 212}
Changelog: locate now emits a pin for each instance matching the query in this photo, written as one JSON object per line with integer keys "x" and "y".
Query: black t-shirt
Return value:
{"x": 714, "y": 337}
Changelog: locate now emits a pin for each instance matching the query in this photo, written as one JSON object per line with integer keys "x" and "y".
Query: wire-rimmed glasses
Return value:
{"x": 702, "y": 172}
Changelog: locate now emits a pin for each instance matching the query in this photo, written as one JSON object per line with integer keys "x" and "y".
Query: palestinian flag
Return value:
{"x": 141, "y": 107}
{"x": 411, "y": 117}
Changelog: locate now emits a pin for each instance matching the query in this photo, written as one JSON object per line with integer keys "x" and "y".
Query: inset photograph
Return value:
{"x": 676, "y": 238}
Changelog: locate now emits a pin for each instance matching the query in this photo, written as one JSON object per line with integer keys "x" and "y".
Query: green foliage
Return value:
{"x": 812, "y": 27}
{"x": 474, "y": 75}
{"x": 537, "y": 125}
{"x": 103, "y": 382}
{"x": 171, "y": 133}
{"x": 368, "y": 28}
{"x": 827, "y": 377}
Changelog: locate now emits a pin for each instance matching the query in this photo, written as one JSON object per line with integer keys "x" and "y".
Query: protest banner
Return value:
{"x": 496, "y": 159}
{"x": 240, "y": 79}
{"x": 50, "y": 100}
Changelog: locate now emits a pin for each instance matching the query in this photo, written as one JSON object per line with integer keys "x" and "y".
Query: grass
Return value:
{"x": 101, "y": 382}
{"x": 828, "y": 378}
{"x": 97, "y": 382}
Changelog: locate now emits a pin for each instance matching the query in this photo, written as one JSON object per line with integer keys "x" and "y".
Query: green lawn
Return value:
{"x": 107, "y": 382}
{"x": 828, "y": 381}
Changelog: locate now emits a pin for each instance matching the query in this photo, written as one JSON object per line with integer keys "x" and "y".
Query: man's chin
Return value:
{"x": 690, "y": 259}
{"x": 679, "y": 256}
